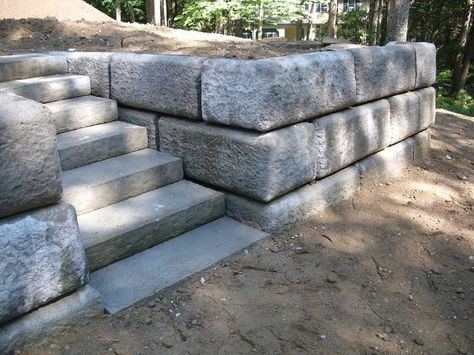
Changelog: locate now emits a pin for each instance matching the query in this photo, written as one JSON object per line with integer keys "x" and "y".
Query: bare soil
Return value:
{"x": 43, "y": 35}
{"x": 389, "y": 271}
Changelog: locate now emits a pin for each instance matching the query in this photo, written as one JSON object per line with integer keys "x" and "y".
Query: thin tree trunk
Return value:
{"x": 131, "y": 12}
{"x": 260, "y": 20}
{"x": 397, "y": 20}
{"x": 332, "y": 22}
{"x": 463, "y": 60}
{"x": 309, "y": 28}
{"x": 372, "y": 28}
{"x": 379, "y": 21}
{"x": 153, "y": 12}
{"x": 118, "y": 11}
{"x": 165, "y": 13}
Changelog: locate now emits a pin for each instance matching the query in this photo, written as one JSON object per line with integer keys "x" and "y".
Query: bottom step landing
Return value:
{"x": 130, "y": 280}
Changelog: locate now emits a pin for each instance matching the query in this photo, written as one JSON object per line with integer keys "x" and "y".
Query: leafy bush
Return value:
{"x": 462, "y": 102}
{"x": 353, "y": 26}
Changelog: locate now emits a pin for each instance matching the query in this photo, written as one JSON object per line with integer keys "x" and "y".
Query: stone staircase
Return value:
{"x": 128, "y": 198}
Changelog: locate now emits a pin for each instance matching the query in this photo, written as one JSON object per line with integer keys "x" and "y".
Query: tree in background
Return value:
{"x": 332, "y": 22}
{"x": 464, "y": 56}
{"x": 397, "y": 21}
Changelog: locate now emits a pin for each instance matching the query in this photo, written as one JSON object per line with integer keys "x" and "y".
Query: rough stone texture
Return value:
{"x": 421, "y": 147}
{"x": 425, "y": 56}
{"x": 383, "y": 71}
{"x": 49, "y": 88}
{"x": 80, "y": 112}
{"x": 169, "y": 84}
{"x": 22, "y": 66}
{"x": 77, "y": 309}
{"x": 129, "y": 281}
{"x": 270, "y": 93}
{"x": 30, "y": 174}
{"x": 110, "y": 181}
{"x": 146, "y": 119}
{"x": 259, "y": 165}
{"x": 411, "y": 113}
{"x": 91, "y": 144}
{"x": 344, "y": 137}
{"x": 296, "y": 205}
{"x": 41, "y": 259}
{"x": 128, "y": 227}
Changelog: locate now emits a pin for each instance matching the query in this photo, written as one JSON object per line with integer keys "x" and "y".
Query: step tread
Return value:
{"x": 130, "y": 280}
{"x": 39, "y": 79}
{"x": 104, "y": 171}
{"x": 22, "y": 66}
{"x": 76, "y": 102}
{"x": 103, "y": 224}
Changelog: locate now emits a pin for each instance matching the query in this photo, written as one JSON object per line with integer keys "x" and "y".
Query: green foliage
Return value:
{"x": 108, "y": 7}
{"x": 353, "y": 26}
{"x": 462, "y": 102}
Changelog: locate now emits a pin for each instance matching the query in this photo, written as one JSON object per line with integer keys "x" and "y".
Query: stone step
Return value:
{"x": 80, "y": 112}
{"x": 131, "y": 226}
{"x": 23, "y": 66}
{"x": 96, "y": 143}
{"x": 49, "y": 88}
{"x": 142, "y": 275}
{"x": 113, "y": 180}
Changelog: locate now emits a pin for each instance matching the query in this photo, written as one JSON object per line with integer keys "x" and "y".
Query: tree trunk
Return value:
{"x": 165, "y": 13}
{"x": 309, "y": 28}
{"x": 379, "y": 21}
{"x": 332, "y": 22}
{"x": 397, "y": 20}
{"x": 118, "y": 11}
{"x": 131, "y": 12}
{"x": 153, "y": 12}
{"x": 373, "y": 21}
{"x": 463, "y": 60}
{"x": 260, "y": 20}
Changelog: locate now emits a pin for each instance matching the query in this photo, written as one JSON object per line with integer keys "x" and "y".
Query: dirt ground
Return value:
{"x": 42, "y": 35}
{"x": 389, "y": 271}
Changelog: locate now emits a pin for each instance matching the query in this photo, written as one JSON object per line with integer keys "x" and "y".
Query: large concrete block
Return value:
{"x": 41, "y": 259}
{"x": 23, "y": 66}
{"x": 259, "y": 165}
{"x": 30, "y": 174}
{"x": 411, "y": 113}
{"x": 383, "y": 71}
{"x": 77, "y": 309}
{"x": 344, "y": 137}
{"x": 421, "y": 146}
{"x": 295, "y": 206}
{"x": 169, "y": 84}
{"x": 425, "y": 57}
{"x": 146, "y": 119}
{"x": 266, "y": 94}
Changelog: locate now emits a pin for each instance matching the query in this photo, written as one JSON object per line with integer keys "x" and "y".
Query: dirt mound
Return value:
{"x": 70, "y": 10}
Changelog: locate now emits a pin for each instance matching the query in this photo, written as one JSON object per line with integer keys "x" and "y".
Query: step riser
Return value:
{"x": 56, "y": 90}
{"x": 147, "y": 236}
{"x": 98, "y": 150}
{"x": 85, "y": 116}
{"x": 94, "y": 197}
{"x": 29, "y": 67}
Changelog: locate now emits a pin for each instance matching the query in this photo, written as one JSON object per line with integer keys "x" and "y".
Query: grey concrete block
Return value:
{"x": 383, "y": 71}
{"x": 80, "y": 112}
{"x": 421, "y": 146}
{"x": 41, "y": 259}
{"x": 169, "y": 84}
{"x": 77, "y": 309}
{"x": 388, "y": 163}
{"x": 110, "y": 181}
{"x": 146, "y": 119}
{"x": 49, "y": 88}
{"x": 131, "y": 226}
{"x": 411, "y": 113}
{"x": 129, "y": 281}
{"x": 91, "y": 144}
{"x": 266, "y": 94}
{"x": 344, "y": 137}
{"x": 259, "y": 165}
{"x": 23, "y": 66}
{"x": 425, "y": 56}
{"x": 30, "y": 174}
{"x": 295, "y": 206}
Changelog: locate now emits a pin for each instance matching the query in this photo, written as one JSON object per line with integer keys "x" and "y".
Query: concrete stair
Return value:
{"x": 143, "y": 227}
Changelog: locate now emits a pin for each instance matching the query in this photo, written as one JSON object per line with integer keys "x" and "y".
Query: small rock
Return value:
{"x": 331, "y": 279}
{"x": 471, "y": 258}
{"x": 418, "y": 341}
{"x": 435, "y": 271}
{"x": 410, "y": 297}
{"x": 152, "y": 304}
{"x": 388, "y": 329}
{"x": 194, "y": 322}
{"x": 459, "y": 290}
{"x": 462, "y": 177}
{"x": 449, "y": 157}
{"x": 382, "y": 336}
{"x": 167, "y": 344}
{"x": 322, "y": 337}
{"x": 471, "y": 268}
{"x": 202, "y": 280}
{"x": 148, "y": 321}
{"x": 462, "y": 351}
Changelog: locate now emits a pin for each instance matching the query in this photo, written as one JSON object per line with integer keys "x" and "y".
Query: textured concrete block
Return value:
{"x": 30, "y": 174}
{"x": 411, "y": 113}
{"x": 421, "y": 146}
{"x": 41, "y": 259}
{"x": 344, "y": 137}
{"x": 259, "y": 165}
{"x": 295, "y": 206}
{"x": 146, "y": 119}
{"x": 77, "y": 309}
{"x": 266, "y": 94}
{"x": 23, "y": 66}
{"x": 383, "y": 71}
{"x": 425, "y": 57}
{"x": 169, "y": 84}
